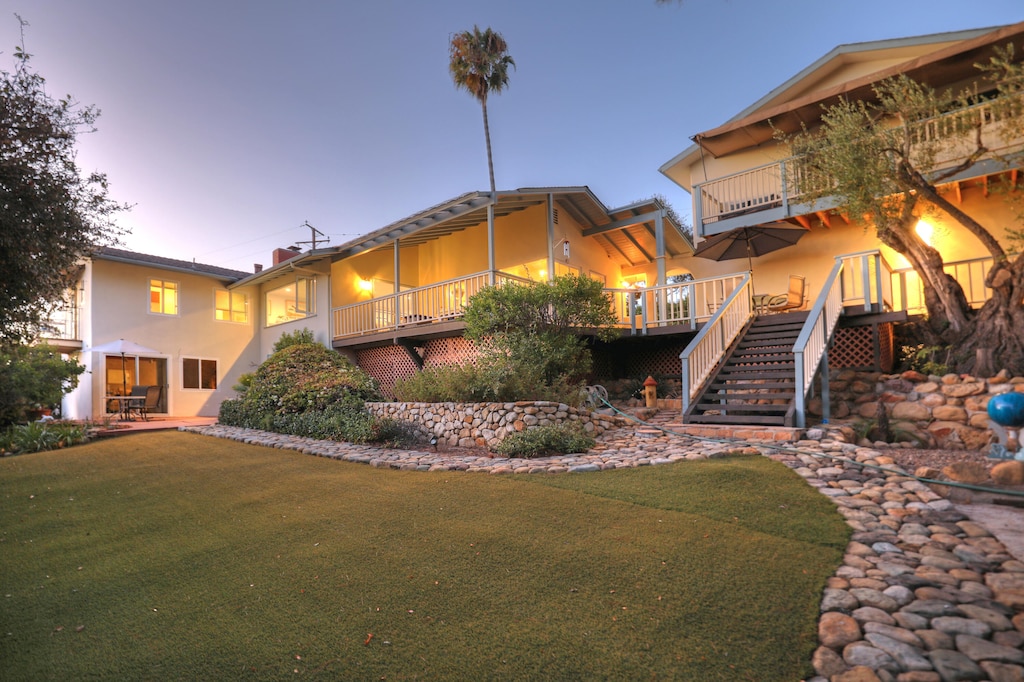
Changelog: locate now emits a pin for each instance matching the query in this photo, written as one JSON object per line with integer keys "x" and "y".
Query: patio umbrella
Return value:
{"x": 755, "y": 240}
{"x": 124, "y": 348}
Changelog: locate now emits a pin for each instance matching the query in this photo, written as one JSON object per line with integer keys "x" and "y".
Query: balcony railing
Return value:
{"x": 908, "y": 288}
{"x": 64, "y": 324}
{"x": 778, "y": 185}
{"x": 687, "y": 303}
{"x": 440, "y": 302}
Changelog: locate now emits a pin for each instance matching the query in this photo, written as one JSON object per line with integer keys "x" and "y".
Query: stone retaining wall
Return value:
{"x": 945, "y": 412}
{"x": 487, "y": 424}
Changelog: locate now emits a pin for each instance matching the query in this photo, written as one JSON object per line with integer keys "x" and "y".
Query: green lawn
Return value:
{"x": 171, "y": 555}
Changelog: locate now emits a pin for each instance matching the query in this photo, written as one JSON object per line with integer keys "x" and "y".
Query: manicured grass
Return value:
{"x": 169, "y": 555}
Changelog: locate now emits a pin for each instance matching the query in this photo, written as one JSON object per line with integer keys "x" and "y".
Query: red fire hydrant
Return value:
{"x": 651, "y": 392}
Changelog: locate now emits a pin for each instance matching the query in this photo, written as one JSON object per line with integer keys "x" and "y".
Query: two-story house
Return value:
{"x": 742, "y": 180}
{"x": 392, "y": 300}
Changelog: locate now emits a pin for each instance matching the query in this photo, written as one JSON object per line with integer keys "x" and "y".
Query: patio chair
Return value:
{"x": 794, "y": 299}
{"x": 133, "y": 402}
{"x": 152, "y": 401}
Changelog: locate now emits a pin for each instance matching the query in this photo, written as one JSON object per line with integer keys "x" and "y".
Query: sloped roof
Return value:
{"x": 951, "y": 64}
{"x": 628, "y": 241}
{"x": 122, "y": 256}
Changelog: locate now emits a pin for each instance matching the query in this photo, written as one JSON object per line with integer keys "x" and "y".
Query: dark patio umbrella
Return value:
{"x": 756, "y": 240}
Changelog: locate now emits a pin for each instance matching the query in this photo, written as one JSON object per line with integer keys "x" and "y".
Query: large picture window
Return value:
{"x": 293, "y": 301}
{"x": 198, "y": 373}
{"x": 163, "y": 297}
{"x": 231, "y": 306}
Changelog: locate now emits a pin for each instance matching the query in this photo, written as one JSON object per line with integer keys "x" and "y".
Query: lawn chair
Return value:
{"x": 152, "y": 401}
{"x": 134, "y": 402}
{"x": 794, "y": 299}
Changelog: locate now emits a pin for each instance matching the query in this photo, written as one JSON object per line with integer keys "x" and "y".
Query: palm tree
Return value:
{"x": 479, "y": 62}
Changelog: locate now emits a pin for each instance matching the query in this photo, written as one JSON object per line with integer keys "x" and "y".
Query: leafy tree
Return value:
{"x": 878, "y": 159}
{"x": 33, "y": 376}
{"x": 478, "y": 63}
{"x": 534, "y": 328}
{"x": 52, "y": 215}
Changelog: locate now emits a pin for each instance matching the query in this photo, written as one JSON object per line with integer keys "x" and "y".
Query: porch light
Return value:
{"x": 925, "y": 231}
{"x": 364, "y": 284}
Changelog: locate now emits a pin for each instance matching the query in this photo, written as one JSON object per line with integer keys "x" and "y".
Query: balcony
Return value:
{"x": 437, "y": 309}
{"x": 63, "y": 329}
{"x": 777, "y": 191}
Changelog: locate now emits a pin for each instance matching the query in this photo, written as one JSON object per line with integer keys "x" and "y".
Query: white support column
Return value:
{"x": 490, "y": 240}
{"x": 551, "y": 237}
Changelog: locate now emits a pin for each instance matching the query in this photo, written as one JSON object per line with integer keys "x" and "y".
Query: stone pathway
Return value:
{"x": 923, "y": 594}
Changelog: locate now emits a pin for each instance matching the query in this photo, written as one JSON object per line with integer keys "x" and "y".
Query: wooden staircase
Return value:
{"x": 755, "y": 384}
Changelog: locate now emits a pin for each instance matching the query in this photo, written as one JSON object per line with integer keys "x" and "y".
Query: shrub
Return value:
{"x": 304, "y": 389}
{"x": 296, "y": 338}
{"x": 33, "y": 376}
{"x": 40, "y": 436}
{"x": 492, "y": 379}
{"x": 552, "y": 439}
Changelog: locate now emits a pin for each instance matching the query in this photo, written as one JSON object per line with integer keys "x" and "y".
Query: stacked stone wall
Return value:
{"x": 487, "y": 424}
{"x": 947, "y": 411}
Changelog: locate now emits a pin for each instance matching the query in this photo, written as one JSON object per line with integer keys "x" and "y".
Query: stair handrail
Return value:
{"x": 708, "y": 347}
{"x": 810, "y": 346}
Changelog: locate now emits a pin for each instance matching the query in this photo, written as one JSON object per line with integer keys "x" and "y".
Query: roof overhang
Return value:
{"x": 148, "y": 261}
{"x": 627, "y": 234}
{"x": 953, "y": 64}
{"x": 310, "y": 262}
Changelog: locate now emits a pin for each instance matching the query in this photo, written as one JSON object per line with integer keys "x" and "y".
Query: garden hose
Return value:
{"x": 822, "y": 455}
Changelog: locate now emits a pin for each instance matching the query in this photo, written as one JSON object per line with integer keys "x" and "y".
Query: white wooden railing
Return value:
{"x": 779, "y": 184}
{"x": 908, "y": 289}
{"x": 707, "y": 349}
{"x": 857, "y": 279}
{"x": 686, "y": 303}
{"x": 439, "y": 302}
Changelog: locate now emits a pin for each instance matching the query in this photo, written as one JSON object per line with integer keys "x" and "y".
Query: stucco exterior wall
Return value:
{"x": 116, "y": 306}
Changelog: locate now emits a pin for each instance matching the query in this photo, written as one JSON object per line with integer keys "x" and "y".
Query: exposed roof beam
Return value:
{"x": 637, "y": 245}
{"x": 621, "y": 252}
{"x": 620, "y": 224}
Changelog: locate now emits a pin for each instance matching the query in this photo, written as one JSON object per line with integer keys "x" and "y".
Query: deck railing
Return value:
{"x": 64, "y": 323}
{"x": 708, "y": 347}
{"x": 684, "y": 303}
{"x": 779, "y": 184}
{"x": 908, "y": 289}
{"x": 439, "y": 302}
{"x": 857, "y": 280}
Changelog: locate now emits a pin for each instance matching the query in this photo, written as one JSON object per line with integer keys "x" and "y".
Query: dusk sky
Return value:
{"x": 229, "y": 123}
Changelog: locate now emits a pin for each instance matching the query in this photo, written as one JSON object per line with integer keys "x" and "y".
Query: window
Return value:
{"x": 231, "y": 306}
{"x": 163, "y": 297}
{"x": 199, "y": 374}
{"x": 293, "y": 301}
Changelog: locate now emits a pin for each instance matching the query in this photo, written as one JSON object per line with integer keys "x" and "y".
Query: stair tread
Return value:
{"x": 739, "y": 408}
{"x": 731, "y": 419}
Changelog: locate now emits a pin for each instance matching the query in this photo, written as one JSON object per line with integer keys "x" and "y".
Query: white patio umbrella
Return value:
{"x": 124, "y": 348}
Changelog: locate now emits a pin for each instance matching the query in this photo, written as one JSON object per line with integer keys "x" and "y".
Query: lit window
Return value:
{"x": 293, "y": 301}
{"x": 231, "y": 306}
{"x": 197, "y": 373}
{"x": 163, "y": 297}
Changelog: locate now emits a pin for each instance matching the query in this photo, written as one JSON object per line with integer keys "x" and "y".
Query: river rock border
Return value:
{"x": 487, "y": 424}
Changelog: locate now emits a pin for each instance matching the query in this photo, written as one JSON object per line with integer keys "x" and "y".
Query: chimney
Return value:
{"x": 257, "y": 267}
{"x": 281, "y": 255}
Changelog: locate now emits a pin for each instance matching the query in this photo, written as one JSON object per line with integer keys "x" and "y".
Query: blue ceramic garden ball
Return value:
{"x": 1007, "y": 409}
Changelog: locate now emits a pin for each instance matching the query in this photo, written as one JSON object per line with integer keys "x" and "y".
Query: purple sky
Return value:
{"x": 229, "y": 123}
